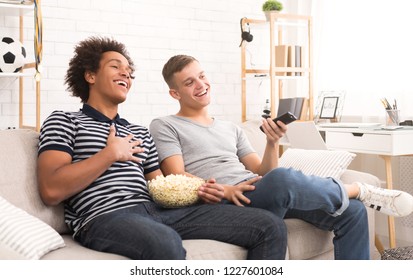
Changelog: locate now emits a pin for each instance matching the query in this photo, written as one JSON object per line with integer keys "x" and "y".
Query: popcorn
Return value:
{"x": 174, "y": 191}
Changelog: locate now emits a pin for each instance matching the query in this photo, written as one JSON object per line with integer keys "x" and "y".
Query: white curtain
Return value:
{"x": 365, "y": 47}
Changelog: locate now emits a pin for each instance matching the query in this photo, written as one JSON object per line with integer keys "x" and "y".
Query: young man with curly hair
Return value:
{"x": 195, "y": 143}
{"x": 98, "y": 165}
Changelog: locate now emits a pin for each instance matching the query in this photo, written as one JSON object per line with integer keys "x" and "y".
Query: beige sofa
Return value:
{"x": 18, "y": 185}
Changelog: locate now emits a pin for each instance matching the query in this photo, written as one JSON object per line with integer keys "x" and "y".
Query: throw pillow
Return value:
{"x": 24, "y": 234}
{"x": 323, "y": 163}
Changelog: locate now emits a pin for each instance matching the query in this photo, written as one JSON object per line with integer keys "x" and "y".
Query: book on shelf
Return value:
{"x": 294, "y": 58}
{"x": 281, "y": 56}
{"x": 296, "y": 105}
{"x": 304, "y": 110}
{"x": 298, "y": 58}
{"x": 291, "y": 59}
{"x": 25, "y": 2}
{"x": 288, "y": 56}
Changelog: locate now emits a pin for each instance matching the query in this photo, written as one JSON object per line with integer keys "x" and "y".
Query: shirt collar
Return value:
{"x": 95, "y": 114}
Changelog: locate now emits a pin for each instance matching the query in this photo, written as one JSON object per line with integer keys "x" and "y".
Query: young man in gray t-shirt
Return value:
{"x": 194, "y": 143}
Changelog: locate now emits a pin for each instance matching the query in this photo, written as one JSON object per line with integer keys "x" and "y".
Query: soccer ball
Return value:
{"x": 12, "y": 55}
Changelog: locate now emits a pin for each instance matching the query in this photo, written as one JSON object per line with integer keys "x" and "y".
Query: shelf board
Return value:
{"x": 266, "y": 77}
{"x": 276, "y": 77}
{"x": 18, "y": 74}
{"x": 282, "y": 20}
{"x": 15, "y": 9}
{"x": 264, "y": 74}
{"x": 277, "y": 69}
{"x": 27, "y": 73}
{"x": 257, "y": 71}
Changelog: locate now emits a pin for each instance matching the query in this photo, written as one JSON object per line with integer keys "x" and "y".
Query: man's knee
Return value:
{"x": 279, "y": 172}
{"x": 276, "y": 233}
{"x": 165, "y": 244}
{"x": 357, "y": 208}
{"x": 356, "y": 213}
{"x": 272, "y": 225}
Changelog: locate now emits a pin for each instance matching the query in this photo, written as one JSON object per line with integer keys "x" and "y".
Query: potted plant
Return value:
{"x": 271, "y": 6}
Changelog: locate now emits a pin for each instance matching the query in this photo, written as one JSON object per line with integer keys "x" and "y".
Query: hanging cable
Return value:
{"x": 38, "y": 38}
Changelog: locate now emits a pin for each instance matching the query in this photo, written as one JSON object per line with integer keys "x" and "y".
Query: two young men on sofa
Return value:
{"x": 98, "y": 164}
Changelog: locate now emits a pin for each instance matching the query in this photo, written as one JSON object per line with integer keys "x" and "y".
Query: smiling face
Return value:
{"x": 191, "y": 87}
{"x": 113, "y": 80}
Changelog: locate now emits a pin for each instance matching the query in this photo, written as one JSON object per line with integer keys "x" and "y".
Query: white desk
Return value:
{"x": 385, "y": 143}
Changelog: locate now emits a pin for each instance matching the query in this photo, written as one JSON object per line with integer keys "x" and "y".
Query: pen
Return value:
{"x": 382, "y": 102}
{"x": 385, "y": 103}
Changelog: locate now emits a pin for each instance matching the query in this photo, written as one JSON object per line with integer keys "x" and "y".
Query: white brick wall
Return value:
{"x": 153, "y": 31}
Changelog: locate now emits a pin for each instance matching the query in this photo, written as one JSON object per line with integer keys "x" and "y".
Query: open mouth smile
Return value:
{"x": 122, "y": 83}
{"x": 202, "y": 93}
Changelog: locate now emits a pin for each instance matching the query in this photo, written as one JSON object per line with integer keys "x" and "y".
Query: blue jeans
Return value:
{"x": 322, "y": 202}
{"x": 148, "y": 231}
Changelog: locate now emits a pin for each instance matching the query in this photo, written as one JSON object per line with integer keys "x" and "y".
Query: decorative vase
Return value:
{"x": 268, "y": 14}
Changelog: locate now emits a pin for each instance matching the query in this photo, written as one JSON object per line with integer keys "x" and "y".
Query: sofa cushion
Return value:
{"x": 306, "y": 241}
{"x": 7, "y": 253}
{"x": 18, "y": 183}
{"x": 205, "y": 249}
{"x": 255, "y": 135}
{"x": 350, "y": 176}
{"x": 74, "y": 251}
{"x": 24, "y": 234}
{"x": 323, "y": 163}
{"x": 197, "y": 249}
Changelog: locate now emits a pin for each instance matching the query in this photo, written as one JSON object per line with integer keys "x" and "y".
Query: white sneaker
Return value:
{"x": 390, "y": 202}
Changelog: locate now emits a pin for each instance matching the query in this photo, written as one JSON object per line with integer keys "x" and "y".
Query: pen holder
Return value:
{"x": 392, "y": 117}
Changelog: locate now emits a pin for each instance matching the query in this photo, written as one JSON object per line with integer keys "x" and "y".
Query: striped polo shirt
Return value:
{"x": 82, "y": 134}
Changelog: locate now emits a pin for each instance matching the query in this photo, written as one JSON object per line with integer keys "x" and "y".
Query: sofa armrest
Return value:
{"x": 350, "y": 176}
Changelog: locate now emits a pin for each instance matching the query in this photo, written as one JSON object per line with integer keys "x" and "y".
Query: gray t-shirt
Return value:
{"x": 211, "y": 151}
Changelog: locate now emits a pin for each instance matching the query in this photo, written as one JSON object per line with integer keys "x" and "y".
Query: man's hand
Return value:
{"x": 211, "y": 192}
{"x": 273, "y": 131}
{"x": 123, "y": 148}
{"x": 235, "y": 194}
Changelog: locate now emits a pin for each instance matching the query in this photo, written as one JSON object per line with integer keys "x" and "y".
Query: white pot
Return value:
{"x": 267, "y": 14}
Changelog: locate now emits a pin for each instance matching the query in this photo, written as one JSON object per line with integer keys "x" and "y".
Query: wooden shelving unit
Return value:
{"x": 276, "y": 24}
{"x": 20, "y": 10}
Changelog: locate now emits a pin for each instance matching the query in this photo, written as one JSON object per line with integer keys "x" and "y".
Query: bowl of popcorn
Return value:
{"x": 173, "y": 191}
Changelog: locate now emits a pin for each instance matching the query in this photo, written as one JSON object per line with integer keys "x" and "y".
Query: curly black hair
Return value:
{"x": 88, "y": 54}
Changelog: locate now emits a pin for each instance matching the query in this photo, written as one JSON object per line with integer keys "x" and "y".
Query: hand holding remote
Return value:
{"x": 286, "y": 119}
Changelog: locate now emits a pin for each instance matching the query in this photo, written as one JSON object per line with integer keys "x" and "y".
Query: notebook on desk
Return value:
{"x": 305, "y": 135}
